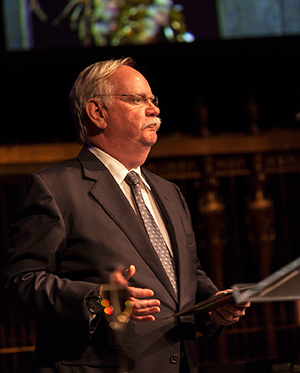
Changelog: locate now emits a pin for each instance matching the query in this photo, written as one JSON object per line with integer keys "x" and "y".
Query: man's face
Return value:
{"x": 129, "y": 124}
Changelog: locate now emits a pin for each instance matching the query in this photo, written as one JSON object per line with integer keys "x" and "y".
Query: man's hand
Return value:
{"x": 229, "y": 313}
{"x": 143, "y": 309}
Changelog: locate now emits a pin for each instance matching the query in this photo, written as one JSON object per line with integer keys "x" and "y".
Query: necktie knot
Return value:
{"x": 132, "y": 178}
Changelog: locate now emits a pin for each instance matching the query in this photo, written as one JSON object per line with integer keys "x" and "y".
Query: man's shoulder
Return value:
{"x": 158, "y": 181}
{"x": 65, "y": 166}
{"x": 58, "y": 168}
{"x": 154, "y": 177}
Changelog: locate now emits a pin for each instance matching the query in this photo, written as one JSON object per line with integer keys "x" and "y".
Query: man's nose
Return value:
{"x": 152, "y": 110}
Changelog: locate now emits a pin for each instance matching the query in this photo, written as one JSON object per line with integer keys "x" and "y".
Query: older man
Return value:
{"x": 102, "y": 219}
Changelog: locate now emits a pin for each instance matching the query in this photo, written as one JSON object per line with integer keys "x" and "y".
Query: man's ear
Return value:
{"x": 94, "y": 110}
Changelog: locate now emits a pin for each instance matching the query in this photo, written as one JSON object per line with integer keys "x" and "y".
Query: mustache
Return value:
{"x": 150, "y": 122}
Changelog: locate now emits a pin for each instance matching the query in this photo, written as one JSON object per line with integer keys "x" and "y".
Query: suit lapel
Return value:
{"x": 109, "y": 195}
{"x": 174, "y": 227}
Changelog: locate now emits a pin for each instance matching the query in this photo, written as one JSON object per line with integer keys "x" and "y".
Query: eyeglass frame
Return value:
{"x": 153, "y": 99}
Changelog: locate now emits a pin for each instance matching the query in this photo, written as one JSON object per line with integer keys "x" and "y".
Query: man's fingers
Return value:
{"x": 129, "y": 272}
{"x": 120, "y": 275}
{"x": 228, "y": 313}
{"x": 145, "y": 304}
{"x": 116, "y": 277}
{"x": 218, "y": 318}
{"x": 139, "y": 292}
{"x": 144, "y": 314}
{"x": 143, "y": 318}
{"x": 243, "y": 305}
{"x": 143, "y": 310}
{"x": 229, "y": 310}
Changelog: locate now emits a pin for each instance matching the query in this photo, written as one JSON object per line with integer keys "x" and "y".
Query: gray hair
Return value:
{"x": 91, "y": 82}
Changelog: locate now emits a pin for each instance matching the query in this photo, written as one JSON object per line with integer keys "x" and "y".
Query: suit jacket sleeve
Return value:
{"x": 31, "y": 274}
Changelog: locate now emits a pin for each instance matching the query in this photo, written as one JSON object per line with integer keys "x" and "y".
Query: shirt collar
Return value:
{"x": 116, "y": 168}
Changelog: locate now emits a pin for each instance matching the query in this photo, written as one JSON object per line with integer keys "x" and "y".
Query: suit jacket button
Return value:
{"x": 174, "y": 359}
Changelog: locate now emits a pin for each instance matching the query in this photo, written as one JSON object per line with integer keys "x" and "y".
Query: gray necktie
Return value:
{"x": 155, "y": 236}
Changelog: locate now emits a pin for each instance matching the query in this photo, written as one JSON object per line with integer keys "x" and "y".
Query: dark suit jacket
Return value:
{"x": 73, "y": 225}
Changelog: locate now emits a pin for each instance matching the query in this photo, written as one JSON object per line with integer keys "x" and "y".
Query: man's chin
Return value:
{"x": 151, "y": 138}
{"x": 149, "y": 135}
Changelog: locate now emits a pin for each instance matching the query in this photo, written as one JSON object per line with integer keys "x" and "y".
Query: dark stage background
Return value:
{"x": 221, "y": 72}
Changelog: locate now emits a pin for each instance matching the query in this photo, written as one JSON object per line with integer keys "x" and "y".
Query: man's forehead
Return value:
{"x": 128, "y": 74}
{"x": 126, "y": 77}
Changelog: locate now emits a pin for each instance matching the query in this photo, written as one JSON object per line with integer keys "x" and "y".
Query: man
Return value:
{"x": 81, "y": 226}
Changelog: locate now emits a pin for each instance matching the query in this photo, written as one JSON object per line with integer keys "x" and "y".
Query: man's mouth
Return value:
{"x": 153, "y": 122}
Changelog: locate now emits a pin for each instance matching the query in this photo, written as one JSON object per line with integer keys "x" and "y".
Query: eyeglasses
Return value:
{"x": 137, "y": 100}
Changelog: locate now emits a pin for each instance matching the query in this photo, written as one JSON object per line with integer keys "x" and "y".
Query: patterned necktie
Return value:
{"x": 155, "y": 236}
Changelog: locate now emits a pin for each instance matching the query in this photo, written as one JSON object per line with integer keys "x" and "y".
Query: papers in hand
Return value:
{"x": 208, "y": 305}
{"x": 282, "y": 285}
